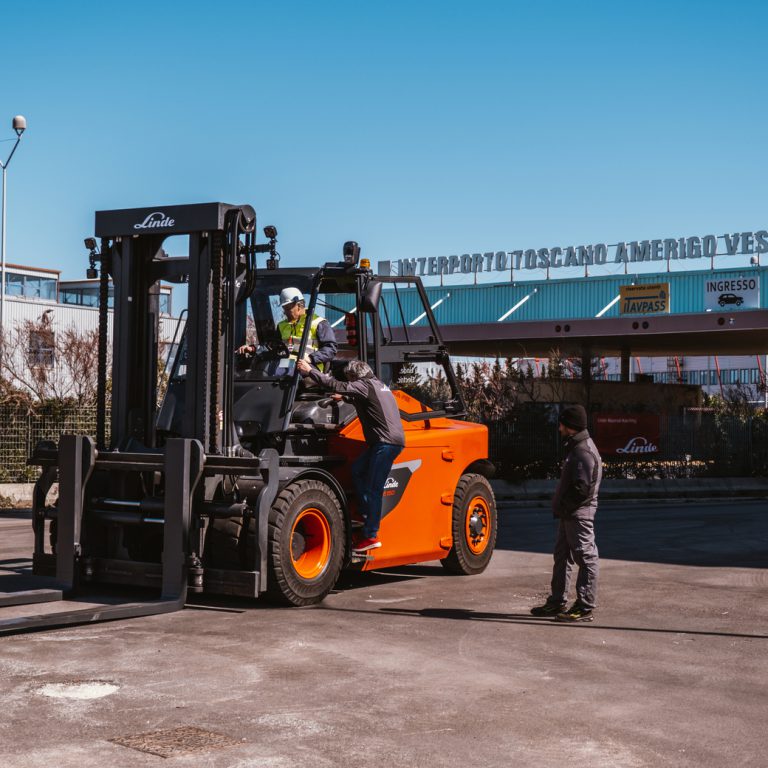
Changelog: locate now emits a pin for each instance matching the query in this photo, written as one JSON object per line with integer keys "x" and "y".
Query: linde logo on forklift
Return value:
{"x": 156, "y": 219}
{"x": 394, "y": 488}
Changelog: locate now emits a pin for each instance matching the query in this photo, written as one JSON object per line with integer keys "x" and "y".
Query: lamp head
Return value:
{"x": 90, "y": 243}
{"x": 351, "y": 252}
{"x": 19, "y": 124}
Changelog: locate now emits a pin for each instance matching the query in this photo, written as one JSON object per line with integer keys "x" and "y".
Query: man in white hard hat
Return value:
{"x": 321, "y": 343}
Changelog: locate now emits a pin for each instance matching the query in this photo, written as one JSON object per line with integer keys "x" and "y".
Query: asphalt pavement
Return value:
{"x": 414, "y": 667}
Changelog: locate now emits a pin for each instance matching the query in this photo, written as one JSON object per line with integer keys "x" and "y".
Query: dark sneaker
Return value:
{"x": 577, "y": 612}
{"x": 364, "y": 545}
{"x": 548, "y": 609}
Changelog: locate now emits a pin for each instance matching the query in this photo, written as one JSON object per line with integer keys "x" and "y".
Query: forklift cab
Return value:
{"x": 372, "y": 318}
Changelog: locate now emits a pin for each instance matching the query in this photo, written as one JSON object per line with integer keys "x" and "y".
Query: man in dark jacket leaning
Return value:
{"x": 380, "y": 418}
{"x": 575, "y": 504}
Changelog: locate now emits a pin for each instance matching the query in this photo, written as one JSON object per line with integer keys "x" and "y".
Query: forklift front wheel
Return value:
{"x": 473, "y": 526}
{"x": 306, "y": 544}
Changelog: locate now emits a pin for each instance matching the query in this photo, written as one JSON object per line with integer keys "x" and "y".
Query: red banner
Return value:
{"x": 627, "y": 434}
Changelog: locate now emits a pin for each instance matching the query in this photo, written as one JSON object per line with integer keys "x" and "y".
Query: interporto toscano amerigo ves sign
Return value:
{"x": 557, "y": 257}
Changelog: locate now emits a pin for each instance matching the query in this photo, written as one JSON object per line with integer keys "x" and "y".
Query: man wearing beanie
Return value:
{"x": 575, "y": 504}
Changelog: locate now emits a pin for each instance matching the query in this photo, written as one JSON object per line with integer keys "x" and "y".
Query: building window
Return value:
{"x": 30, "y": 287}
{"x": 14, "y": 284}
{"x": 41, "y": 352}
{"x": 85, "y": 297}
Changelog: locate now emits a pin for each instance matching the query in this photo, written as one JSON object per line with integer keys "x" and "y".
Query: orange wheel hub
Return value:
{"x": 310, "y": 543}
{"x": 477, "y": 525}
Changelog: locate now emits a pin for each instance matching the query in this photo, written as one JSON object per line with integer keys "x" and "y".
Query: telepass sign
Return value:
{"x": 646, "y": 299}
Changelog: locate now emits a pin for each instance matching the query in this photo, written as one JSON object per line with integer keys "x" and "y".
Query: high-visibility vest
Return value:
{"x": 291, "y": 334}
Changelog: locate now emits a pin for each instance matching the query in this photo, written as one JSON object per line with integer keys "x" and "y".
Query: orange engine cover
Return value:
{"x": 418, "y": 495}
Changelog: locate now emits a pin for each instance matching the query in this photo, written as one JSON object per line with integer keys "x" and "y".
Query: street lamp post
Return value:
{"x": 19, "y": 125}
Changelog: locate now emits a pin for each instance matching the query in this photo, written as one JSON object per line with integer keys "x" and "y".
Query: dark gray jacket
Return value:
{"x": 326, "y": 343}
{"x": 375, "y": 404}
{"x": 576, "y": 493}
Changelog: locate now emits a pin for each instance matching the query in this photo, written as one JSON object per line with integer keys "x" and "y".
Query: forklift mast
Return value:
{"x": 220, "y": 259}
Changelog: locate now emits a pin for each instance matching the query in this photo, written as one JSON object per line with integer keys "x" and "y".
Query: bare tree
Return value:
{"x": 49, "y": 364}
{"x": 489, "y": 389}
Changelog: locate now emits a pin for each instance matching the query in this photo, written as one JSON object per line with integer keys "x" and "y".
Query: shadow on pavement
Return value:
{"x": 463, "y": 614}
{"x": 358, "y": 579}
{"x": 718, "y": 534}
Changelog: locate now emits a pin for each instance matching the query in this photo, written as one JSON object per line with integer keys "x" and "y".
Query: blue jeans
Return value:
{"x": 369, "y": 473}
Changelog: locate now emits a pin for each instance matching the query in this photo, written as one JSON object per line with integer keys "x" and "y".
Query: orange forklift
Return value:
{"x": 237, "y": 480}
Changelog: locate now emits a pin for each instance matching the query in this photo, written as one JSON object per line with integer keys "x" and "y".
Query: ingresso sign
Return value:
{"x": 630, "y": 252}
{"x": 739, "y": 293}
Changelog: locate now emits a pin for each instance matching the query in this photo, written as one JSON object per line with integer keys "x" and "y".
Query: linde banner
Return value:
{"x": 557, "y": 257}
{"x": 627, "y": 435}
{"x": 740, "y": 293}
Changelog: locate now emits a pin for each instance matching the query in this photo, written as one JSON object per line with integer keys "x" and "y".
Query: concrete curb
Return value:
{"x": 699, "y": 488}
{"x": 17, "y": 494}
{"x": 20, "y": 494}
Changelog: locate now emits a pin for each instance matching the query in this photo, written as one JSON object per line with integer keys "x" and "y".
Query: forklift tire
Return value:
{"x": 306, "y": 544}
{"x": 473, "y": 526}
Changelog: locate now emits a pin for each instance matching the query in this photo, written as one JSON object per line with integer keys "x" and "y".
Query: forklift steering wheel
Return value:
{"x": 277, "y": 349}
{"x": 269, "y": 350}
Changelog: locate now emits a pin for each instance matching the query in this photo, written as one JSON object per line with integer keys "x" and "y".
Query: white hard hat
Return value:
{"x": 290, "y": 296}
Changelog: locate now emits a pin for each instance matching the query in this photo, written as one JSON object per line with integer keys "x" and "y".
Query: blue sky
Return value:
{"x": 417, "y": 128}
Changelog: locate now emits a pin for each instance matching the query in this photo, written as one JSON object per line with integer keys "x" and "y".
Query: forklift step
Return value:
{"x": 361, "y": 558}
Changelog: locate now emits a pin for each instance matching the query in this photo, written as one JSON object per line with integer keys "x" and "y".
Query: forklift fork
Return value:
{"x": 184, "y": 462}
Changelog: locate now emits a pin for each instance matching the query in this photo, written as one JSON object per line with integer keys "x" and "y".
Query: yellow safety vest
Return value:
{"x": 291, "y": 334}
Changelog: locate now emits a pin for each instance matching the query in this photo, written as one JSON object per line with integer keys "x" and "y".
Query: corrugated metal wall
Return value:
{"x": 68, "y": 316}
{"x": 62, "y": 317}
{"x": 565, "y": 299}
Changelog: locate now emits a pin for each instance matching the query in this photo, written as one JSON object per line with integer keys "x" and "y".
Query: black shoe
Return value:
{"x": 548, "y": 609}
{"x": 577, "y": 612}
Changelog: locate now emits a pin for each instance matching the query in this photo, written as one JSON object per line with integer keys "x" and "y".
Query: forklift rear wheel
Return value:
{"x": 306, "y": 544}
{"x": 473, "y": 526}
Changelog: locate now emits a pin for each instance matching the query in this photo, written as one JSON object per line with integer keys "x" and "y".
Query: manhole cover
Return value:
{"x": 176, "y": 741}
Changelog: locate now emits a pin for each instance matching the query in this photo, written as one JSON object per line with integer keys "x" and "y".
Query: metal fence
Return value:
{"x": 524, "y": 447}
{"x": 528, "y": 446}
{"x": 21, "y": 430}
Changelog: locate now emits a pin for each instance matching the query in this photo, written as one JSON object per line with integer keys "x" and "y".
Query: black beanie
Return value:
{"x": 575, "y": 417}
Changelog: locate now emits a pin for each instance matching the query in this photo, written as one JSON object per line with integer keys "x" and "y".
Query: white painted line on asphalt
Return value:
{"x": 389, "y": 599}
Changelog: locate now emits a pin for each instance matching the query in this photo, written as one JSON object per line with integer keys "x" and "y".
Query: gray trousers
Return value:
{"x": 575, "y": 545}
